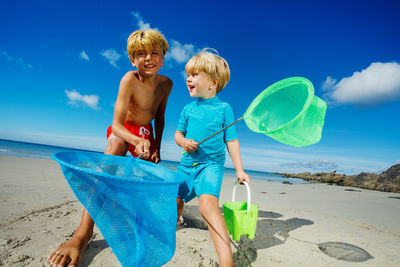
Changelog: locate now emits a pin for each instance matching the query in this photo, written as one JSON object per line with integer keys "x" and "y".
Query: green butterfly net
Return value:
{"x": 289, "y": 112}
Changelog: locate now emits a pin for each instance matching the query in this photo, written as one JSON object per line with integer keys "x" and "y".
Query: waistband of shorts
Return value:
{"x": 199, "y": 164}
{"x": 148, "y": 126}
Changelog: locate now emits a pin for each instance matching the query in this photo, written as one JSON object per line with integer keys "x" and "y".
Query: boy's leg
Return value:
{"x": 70, "y": 252}
{"x": 116, "y": 146}
{"x": 181, "y": 206}
{"x": 209, "y": 209}
{"x": 183, "y": 190}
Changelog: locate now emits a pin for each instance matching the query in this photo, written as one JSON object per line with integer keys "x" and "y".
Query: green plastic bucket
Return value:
{"x": 241, "y": 217}
{"x": 289, "y": 112}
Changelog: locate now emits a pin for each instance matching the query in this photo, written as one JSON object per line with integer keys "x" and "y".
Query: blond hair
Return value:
{"x": 146, "y": 40}
{"x": 212, "y": 64}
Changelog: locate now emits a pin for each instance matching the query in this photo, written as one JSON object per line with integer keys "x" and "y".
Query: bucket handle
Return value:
{"x": 248, "y": 194}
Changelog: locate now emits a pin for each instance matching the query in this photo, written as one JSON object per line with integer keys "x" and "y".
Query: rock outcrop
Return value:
{"x": 387, "y": 181}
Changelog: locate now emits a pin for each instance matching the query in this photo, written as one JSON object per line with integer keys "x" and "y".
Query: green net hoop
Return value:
{"x": 289, "y": 112}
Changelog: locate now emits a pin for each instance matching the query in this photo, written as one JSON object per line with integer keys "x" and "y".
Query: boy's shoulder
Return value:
{"x": 187, "y": 109}
{"x": 222, "y": 102}
{"x": 190, "y": 104}
{"x": 165, "y": 80}
{"x": 216, "y": 104}
{"x": 130, "y": 77}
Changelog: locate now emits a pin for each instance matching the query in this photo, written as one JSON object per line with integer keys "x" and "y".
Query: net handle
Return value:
{"x": 248, "y": 194}
{"x": 236, "y": 121}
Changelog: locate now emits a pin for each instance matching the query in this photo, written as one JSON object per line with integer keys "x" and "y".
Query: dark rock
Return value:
{"x": 352, "y": 190}
{"x": 387, "y": 181}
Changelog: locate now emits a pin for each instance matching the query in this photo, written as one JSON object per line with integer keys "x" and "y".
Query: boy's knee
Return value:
{"x": 203, "y": 210}
{"x": 116, "y": 146}
{"x": 206, "y": 204}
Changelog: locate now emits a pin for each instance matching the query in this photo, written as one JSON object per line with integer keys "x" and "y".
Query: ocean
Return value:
{"x": 41, "y": 151}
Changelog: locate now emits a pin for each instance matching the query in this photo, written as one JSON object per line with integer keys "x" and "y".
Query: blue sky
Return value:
{"x": 61, "y": 63}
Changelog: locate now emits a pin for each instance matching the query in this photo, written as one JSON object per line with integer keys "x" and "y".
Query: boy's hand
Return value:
{"x": 155, "y": 157}
{"x": 142, "y": 148}
{"x": 190, "y": 145}
{"x": 242, "y": 176}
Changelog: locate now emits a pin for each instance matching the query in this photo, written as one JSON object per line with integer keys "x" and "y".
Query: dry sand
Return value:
{"x": 299, "y": 224}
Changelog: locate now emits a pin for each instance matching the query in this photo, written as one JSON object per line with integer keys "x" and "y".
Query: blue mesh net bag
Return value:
{"x": 132, "y": 202}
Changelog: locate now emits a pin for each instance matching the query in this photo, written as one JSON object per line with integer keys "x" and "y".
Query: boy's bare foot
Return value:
{"x": 69, "y": 253}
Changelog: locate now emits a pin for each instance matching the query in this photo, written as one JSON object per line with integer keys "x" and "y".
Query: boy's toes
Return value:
{"x": 64, "y": 261}
{"x": 56, "y": 260}
{"x": 51, "y": 258}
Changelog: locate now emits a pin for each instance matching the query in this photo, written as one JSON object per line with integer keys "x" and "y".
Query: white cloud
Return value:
{"x": 75, "y": 98}
{"x": 378, "y": 83}
{"x": 84, "y": 56}
{"x": 18, "y": 60}
{"x": 7, "y": 56}
{"x": 177, "y": 51}
{"x": 279, "y": 158}
{"x": 314, "y": 165}
{"x": 140, "y": 22}
{"x": 181, "y": 52}
{"x": 329, "y": 84}
{"x": 112, "y": 56}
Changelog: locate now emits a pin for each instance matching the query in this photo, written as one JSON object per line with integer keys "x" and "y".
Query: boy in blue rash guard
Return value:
{"x": 203, "y": 166}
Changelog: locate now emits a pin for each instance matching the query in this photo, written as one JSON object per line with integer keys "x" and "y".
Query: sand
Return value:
{"x": 298, "y": 224}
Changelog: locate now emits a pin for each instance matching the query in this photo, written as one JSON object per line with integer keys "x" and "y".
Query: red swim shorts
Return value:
{"x": 145, "y": 132}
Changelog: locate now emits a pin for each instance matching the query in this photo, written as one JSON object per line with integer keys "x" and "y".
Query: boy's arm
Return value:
{"x": 234, "y": 152}
{"x": 159, "y": 122}
{"x": 120, "y": 112}
{"x": 189, "y": 145}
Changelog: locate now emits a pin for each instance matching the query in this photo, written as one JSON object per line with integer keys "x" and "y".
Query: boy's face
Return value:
{"x": 148, "y": 62}
{"x": 201, "y": 85}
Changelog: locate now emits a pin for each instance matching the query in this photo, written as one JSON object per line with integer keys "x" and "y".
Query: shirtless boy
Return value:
{"x": 142, "y": 97}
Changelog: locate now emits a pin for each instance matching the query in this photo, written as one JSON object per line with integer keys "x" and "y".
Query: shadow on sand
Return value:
{"x": 269, "y": 233}
{"x": 272, "y": 232}
{"x": 93, "y": 249}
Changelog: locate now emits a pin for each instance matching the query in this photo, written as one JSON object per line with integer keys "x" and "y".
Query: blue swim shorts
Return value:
{"x": 202, "y": 178}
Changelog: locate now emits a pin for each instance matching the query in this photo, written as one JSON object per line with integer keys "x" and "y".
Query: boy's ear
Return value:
{"x": 133, "y": 62}
{"x": 162, "y": 61}
{"x": 214, "y": 84}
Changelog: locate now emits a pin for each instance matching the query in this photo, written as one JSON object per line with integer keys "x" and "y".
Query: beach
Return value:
{"x": 310, "y": 224}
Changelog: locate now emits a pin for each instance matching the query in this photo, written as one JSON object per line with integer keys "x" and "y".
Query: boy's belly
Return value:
{"x": 139, "y": 118}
